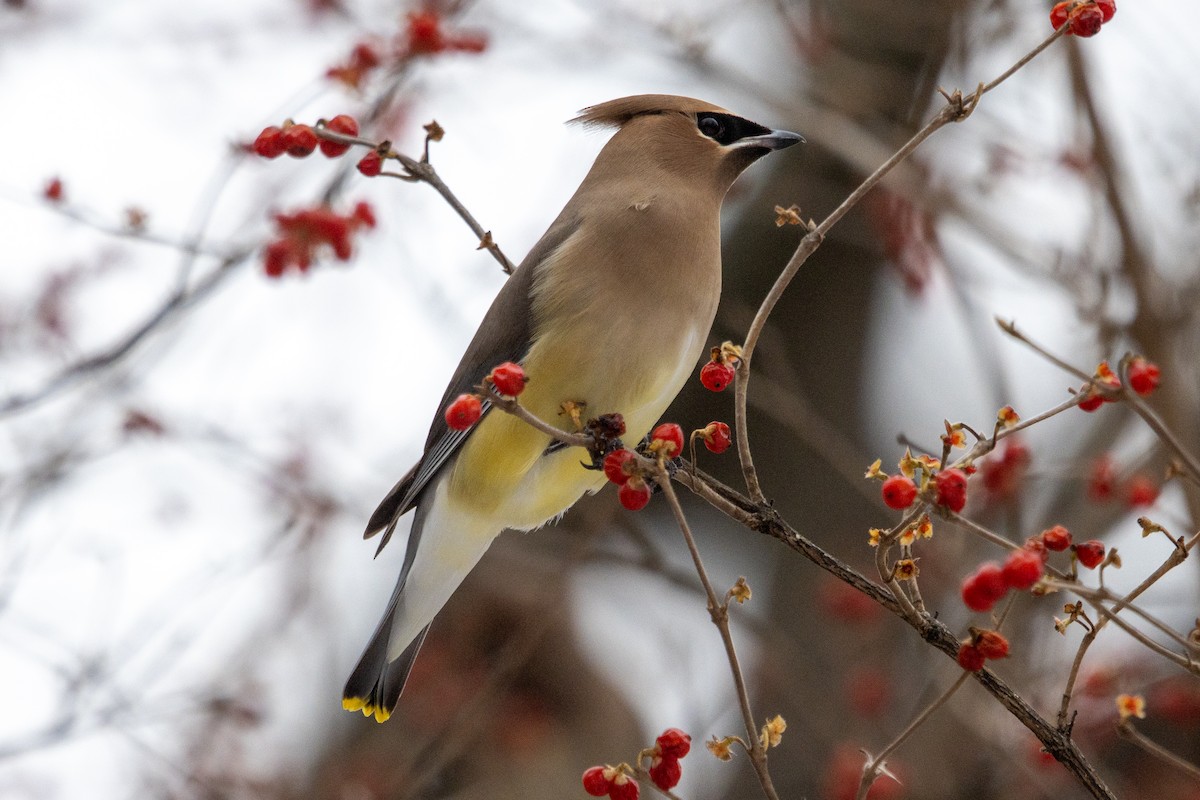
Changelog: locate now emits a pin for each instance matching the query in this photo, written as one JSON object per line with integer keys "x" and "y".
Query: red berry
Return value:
{"x": 1102, "y": 479}
{"x": 616, "y": 463}
{"x": 1035, "y": 544}
{"x": 364, "y": 55}
{"x": 299, "y": 141}
{"x": 634, "y": 494}
{"x": 1141, "y": 492}
{"x": 1086, "y": 20}
{"x": 1059, "y": 14}
{"x": 1089, "y": 553}
{"x": 899, "y": 492}
{"x": 343, "y": 124}
{"x": 1107, "y": 8}
{"x": 463, "y": 412}
{"x": 868, "y": 691}
{"x": 667, "y": 440}
{"x": 364, "y": 214}
{"x": 846, "y": 604}
{"x": 1004, "y": 473}
{"x": 595, "y": 782}
{"x": 1022, "y": 569}
{"x": 673, "y": 743}
{"x": 969, "y": 657}
{"x": 1057, "y": 538}
{"x": 53, "y": 191}
{"x": 666, "y": 773}
{"x": 371, "y": 164}
{"x": 985, "y": 587}
{"x": 951, "y": 487}
{"x": 1143, "y": 376}
{"x": 468, "y": 43}
{"x": 1093, "y": 401}
{"x": 269, "y": 143}
{"x": 276, "y": 257}
{"x": 717, "y": 437}
{"x": 509, "y": 379}
{"x": 716, "y": 375}
{"x": 425, "y": 33}
{"x": 991, "y": 644}
{"x": 623, "y": 788}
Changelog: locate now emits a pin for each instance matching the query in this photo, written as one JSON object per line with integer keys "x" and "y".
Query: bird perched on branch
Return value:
{"x": 612, "y": 307}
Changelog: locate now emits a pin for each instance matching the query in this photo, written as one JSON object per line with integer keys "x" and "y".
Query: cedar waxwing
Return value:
{"x": 612, "y": 308}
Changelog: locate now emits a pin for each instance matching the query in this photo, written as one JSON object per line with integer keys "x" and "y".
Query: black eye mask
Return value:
{"x": 726, "y": 128}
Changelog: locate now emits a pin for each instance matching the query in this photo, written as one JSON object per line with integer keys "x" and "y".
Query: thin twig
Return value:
{"x": 1010, "y": 327}
{"x": 177, "y": 302}
{"x": 1155, "y": 422}
{"x": 512, "y": 405}
{"x": 1132, "y": 734}
{"x": 1069, "y": 690}
{"x": 956, "y": 109}
{"x": 1185, "y": 661}
{"x": 873, "y": 765}
{"x": 933, "y": 631}
{"x": 719, "y": 612}
{"x": 423, "y": 172}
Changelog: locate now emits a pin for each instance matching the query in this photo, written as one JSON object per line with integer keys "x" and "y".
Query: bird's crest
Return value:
{"x": 617, "y": 112}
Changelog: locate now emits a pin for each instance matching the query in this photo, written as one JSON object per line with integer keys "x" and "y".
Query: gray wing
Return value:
{"x": 504, "y": 335}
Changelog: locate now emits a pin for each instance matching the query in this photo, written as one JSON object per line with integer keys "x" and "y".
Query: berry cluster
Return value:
{"x": 1003, "y": 473}
{"x": 362, "y": 61}
{"x": 612, "y": 781}
{"x": 299, "y": 140}
{"x": 302, "y": 233}
{"x": 508, "y": 379}
{"x": 665, "y": 769}
{"x": 1138, "y": 490}
{"x": 670, "y": 746}
{"x": 951, "y": 489}
{"x": 1094, "y": 393}
{"x": 719, "y": 372}
{"x": 945, "y": 487}
{"x": 1024, "y": 567}
{"x": 666, "y": 442}
{"x": 424, "y": 35}
{"x": 1082, "y": 17}
{"x": 421, "y": 35}
{"x": 983, "y": 645}
{"x": 622, "y": 468}
{"x": 1143, "y": 379}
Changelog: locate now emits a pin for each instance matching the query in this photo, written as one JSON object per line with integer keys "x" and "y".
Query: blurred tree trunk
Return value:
{"x": 875, "y": 68}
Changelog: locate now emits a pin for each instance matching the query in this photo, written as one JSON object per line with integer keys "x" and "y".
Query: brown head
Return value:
{"x": 692, "y": 139}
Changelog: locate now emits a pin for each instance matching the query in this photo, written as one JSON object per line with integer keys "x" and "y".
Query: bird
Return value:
{"x": 610, "y": 309}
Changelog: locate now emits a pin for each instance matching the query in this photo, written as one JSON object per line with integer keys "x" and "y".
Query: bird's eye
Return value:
{"x": 711, "y": 126}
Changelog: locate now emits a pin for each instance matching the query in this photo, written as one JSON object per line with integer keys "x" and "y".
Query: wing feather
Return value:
{"x": 504, "y": 335}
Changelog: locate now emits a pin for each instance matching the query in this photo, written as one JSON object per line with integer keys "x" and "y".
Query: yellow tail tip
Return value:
{"x": 368, "y": 709}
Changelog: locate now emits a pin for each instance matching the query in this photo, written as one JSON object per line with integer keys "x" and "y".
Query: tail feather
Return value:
{"x": 375, "y": 685}
{"x": 444, "y": 544}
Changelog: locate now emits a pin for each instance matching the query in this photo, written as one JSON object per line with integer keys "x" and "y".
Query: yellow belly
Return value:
{"x": 501, "y": 471}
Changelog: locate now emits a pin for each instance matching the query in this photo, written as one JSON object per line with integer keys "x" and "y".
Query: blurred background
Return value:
{"x": 189, "y": 449}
